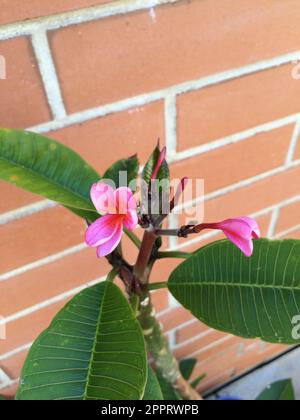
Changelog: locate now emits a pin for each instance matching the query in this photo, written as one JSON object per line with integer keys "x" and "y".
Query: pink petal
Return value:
{"x": 131, "y": 220}
{"x": 103, "y": 198}
{"x": 240, "y": 232}
{"x": 123, "y": 196}
{"x": 102, "y": 230}
{"x": 254, "y": 226}
{"x": 237, "y": 227}
{"x": 109, "y": 246}
{"x": 245, "y": 245}
{"x": 132, "y": 204}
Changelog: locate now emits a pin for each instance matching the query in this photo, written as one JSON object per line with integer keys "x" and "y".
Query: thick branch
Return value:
{"x": 140, "y": 269}
{"x": 157, "y": 344}
{"x": 159, "y": 348}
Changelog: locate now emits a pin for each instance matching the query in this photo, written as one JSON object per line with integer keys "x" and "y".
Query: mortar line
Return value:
{"x": 171, "y": 126}
{"x": 5, "y": 380}
{"x": 259, "y": 213}
{"x": 236, "y": 138}
{"x": 273, "y": 222}
{"x": 48, "y": 73}
{"x": 16, "y": 351}
{"x": 241, "y": 184}
{"x": 287, "y": 231}
{"x": 210, "y": 346}
{"x": 191, "y": 340}
{"x": 294, "y": 143}
{"x": 10, "y": 383}
{"x": 42, "y": 262}
{"x": 49, "y": 302}
{"x": 25, "y": 211}
{"x": 146, "y": 98}
{"x": 3, "y": 376}
{"x": 83, "y": 15}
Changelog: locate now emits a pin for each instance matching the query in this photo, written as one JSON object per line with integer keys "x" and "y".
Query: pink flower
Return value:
{"x": 118, "y": 208}
{"x": 240, "y": 231}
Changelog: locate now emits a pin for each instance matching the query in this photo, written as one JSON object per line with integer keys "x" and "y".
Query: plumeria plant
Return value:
{"x": 107, "y": 343}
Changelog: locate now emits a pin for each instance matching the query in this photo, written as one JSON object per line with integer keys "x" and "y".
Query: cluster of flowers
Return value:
{"x": 119, "y": 209}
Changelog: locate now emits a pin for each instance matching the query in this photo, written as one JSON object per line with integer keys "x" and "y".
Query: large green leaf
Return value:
{"x": 152, "y": 391}
{"x": 130, "y": 166}
{"x": 278, "y": 391}
{"x": 94, "y": 349}
{"x": 248, "y": 297}
{"x": 45, "y": 167}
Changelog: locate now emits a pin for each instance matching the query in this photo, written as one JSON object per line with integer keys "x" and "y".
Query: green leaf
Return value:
{"x": 130, "y": 166}
{"x": 160, "y": 196}
{"x": 94, "y": 349}
{"x": 249, "y": 297}
{"x": 164, "y": 172}
{"x": 198, "y": 381}
{"x": 2, "y": 398}
{"x": 152, "y": 391}
{"x": 168, "y": 392}
{"x": 45, "y": 167}
{"x": 187, "y": 367}
{"x": 278, "y": 391}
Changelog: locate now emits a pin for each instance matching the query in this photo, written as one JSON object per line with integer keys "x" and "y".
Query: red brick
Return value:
{"x": 236, "y": 361}
{"x": 102, "y": 142}
{"x": 163, "y": 269}
{"x": 206, "y": 339}
{"x": 228, "y": 358}
{"x": 46, "y": 282}
{"x": 15, "y": 10}
{"x": 255, "y": 197}
{"x": 14, "y": 197}
{"x": 105, "y": 140}
{"x": 23, "y": 101}
{"x": 295, "y": 234}
{"x": 297, "y": 152}
{"x": 10, "y": 391}
{"x": 219, "y": 347}
{"x": 13, "y": 366}
{"x": 190, "y": 331}
{"x": 183, "y": 42}
{"x": 289, "y": 216}
{"x": 233, "y": 163}
{"x": 160, "y": 299}
{"x": 38, "y": 236}
{"x": 238, "y": 105}
{"x": 174, "y": 318}
{"x": 27, "y": 329}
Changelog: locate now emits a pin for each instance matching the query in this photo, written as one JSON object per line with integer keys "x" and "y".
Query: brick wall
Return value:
{"x": 214, "y": 80}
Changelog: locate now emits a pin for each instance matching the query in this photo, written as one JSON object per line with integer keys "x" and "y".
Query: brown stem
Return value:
{"x": 140, "y": 269}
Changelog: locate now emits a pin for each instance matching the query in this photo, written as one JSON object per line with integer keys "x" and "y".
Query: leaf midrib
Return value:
{"x": 264, "y": 286}
{"x": 89, "y": 369}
